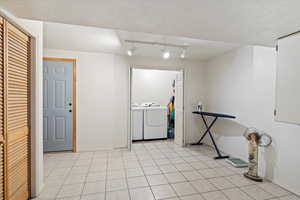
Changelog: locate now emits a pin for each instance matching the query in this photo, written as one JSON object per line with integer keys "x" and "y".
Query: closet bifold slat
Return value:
{"x": 2, "y": 129}
{"x": 16, "y": 83}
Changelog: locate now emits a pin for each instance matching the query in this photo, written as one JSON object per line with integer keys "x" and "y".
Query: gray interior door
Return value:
{"x": 57, "y": 105}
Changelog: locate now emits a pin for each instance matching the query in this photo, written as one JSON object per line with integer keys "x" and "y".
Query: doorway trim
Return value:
{"x": 179, "y": 69}
{"x": 74, "y": 89}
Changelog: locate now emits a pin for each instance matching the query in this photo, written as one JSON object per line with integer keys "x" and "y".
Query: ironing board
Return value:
{"x": 208, "y": 127}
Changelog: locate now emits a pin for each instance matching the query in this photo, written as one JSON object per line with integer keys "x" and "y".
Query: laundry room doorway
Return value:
{"x": 156, "y": 105}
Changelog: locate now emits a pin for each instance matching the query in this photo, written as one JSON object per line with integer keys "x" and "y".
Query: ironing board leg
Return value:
{"x": 211, "y": 137}
{"x": 216, "y": 147}
{"x": 207, "y": 130}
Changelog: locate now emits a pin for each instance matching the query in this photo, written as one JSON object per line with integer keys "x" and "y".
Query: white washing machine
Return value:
{"x": 137, "y": 123}
{"x": 155, "y": 123}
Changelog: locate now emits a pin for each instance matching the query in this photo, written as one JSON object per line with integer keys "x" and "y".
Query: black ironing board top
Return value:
{"x": 214, "y": 114}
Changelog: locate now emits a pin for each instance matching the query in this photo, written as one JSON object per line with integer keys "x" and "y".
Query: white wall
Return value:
{"x": 229, "y": 90}
{"x": 152, "y": 86}
{"x": 103, "y": 114}
{"x": 37, "y": 177}
{"x": 99, "y": 91}
{"x": 121, "y": 105}
{"x": 242, "y": 82}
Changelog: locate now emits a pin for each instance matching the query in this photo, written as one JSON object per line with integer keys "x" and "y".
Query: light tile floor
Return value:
{"x": 153, "y": 170}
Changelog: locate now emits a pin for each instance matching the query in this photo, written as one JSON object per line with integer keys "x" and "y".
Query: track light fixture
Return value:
{"x": 166, "y": 46}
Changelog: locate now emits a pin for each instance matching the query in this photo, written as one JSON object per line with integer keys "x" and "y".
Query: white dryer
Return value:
{"x": 155, "y": 123}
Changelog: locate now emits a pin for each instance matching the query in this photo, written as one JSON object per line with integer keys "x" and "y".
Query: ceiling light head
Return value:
{"x": 130, "y": 51}
{"x": 182, "y": 55}
{"x": 166, "y": 54}
{"x": 183, "y": 52}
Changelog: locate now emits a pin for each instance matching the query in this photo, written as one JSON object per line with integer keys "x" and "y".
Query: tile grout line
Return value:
{"x": 64, "y": 181}
{"x": 86, "y": 176}
{"x": 156, "y": 151}
{"x": 147, "y": 179}
{"x": 128, "y": 190}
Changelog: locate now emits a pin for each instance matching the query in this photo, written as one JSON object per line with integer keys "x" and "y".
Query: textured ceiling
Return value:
{"x": 91, "y": 39}
{"x": 237, "y": 21}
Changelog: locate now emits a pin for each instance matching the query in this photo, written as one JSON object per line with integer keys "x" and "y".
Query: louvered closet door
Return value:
{"x": 1, "y": 110}
{"x": 17, "y": 72}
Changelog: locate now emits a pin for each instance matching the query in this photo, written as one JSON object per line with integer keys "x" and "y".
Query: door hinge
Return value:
{"x": 275, "y": 112}
{"x": 276, "y": 47}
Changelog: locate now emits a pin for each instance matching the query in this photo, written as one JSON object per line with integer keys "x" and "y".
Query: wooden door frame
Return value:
{"x": 74, "y": 98}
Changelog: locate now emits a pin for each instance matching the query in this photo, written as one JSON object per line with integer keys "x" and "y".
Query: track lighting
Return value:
{"x": 166, "y": 54}
{"x": 180, "y": 50}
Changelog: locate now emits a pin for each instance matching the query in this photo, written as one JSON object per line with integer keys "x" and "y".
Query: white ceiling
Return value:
{"x": 91, "y": 39}
{"x": 238, "y": 21}
{"x": 80, "y": 38}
